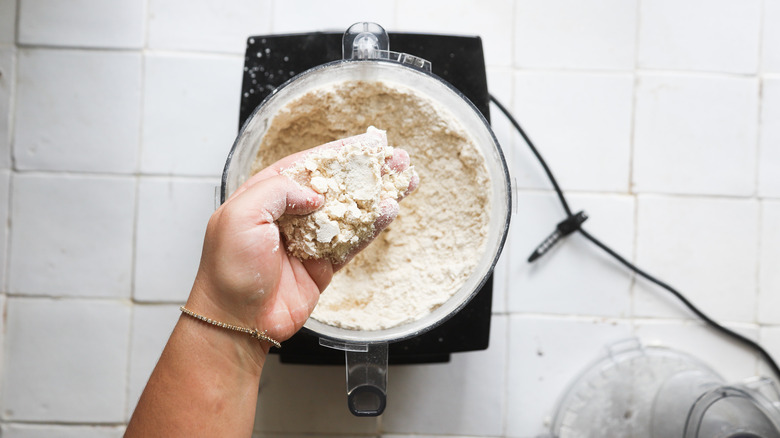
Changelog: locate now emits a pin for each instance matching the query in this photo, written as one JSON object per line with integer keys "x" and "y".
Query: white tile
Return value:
{"x": 769, "y": 260}
{"x": 489, "y": 19}
{"x": 545, "y": 356}
{"x": 5, "y": 195}
{"x": 206, "y": 25}
{"x": 463, "y": 397}
{"x": 706, "y": 248}
{"x": 307, "y": 399}
{"x": 191, "y": 106}
{"x": 293, "y": 16}
{"x": 769, "y": 140}
{"x": 770, "y": 341}
{"x": 152, "y": 325}
{"x": 575, "y": 277}
{"x": 575, "y": 35}
{"x": 46, "y": 431}
{"x": 172, "y": 218}
{"x": 78, "y": 110}
{"x": 725, "y": 356}
{"x": 7, "y": 21}
{"x": 71, "y": 235}
{"x": 7, "y": 82}
{"x": 770, "y": 56}
{"x": 581, "y": 125}
{"x": 82, "y": 23}
{"x": 702, "y": 35}
{"x": 695, "y": 135}
{"x": 66, "y": 360}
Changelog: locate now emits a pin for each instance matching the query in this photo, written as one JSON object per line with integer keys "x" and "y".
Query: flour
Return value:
{"x": 354, "y": 179}
{"x": 434, "y": 244}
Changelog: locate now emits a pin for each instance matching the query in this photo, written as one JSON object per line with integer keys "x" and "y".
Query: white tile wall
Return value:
{"x": 46, "y": 431}
{"x": 7, "y": 21}
{"x": 447, "y": 398}
{"x": 206, "y": 26}
{"x": 546, "y": 355}
{"x": 492, "y": 21}
{"x": 71, "y": 235}
{"x": 66, "y": 360}
{"x": 5, "y": 192}
{"x": 695, "y": 134}
{"x": 318, "y": 394}
{"x": 7, "y": 81}
{"x": 77, "y": 110}
{"x": 704, "y": 247}
{"x": 769, "y": 140}
{"x": 151, "y": 326}
{"x": 729, "y": 359}
{"x": 581, "y": 124}
{"x": 571, "y": 34}
{"x": 295, "y": 16}
{"x": 560, "y": 281}
{"x": 700, "y": 35}
{"x": 172, "y": 218}
{"x": 116, "y": 24}
{"x": 770, "y": 55}
{"x": 190, "y": 119}
{"x": 658, "y": 117}
{"x": 769, "y": 254}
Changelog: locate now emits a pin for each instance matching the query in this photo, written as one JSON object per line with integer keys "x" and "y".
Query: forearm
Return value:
{"x": 205, "y": 384}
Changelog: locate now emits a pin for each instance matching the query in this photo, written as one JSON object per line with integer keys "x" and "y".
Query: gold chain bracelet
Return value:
{"x": 260, "y": 336}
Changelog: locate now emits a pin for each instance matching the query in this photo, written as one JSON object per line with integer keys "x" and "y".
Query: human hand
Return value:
{"x": 245, "y": 276}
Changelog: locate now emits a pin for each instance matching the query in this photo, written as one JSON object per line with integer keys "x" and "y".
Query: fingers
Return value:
{"x": 266, "y": 200}
{"x": 389, "y": 211}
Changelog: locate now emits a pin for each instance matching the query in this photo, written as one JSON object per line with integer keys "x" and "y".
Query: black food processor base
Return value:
{"x": 272, "y": 60}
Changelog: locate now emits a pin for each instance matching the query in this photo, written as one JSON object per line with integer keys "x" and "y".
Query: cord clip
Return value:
{"x": 564, "y": 228}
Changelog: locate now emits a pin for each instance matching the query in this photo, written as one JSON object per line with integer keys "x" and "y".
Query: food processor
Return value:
{"x": 637, "y": 391}
{"x": 366, "y": 56}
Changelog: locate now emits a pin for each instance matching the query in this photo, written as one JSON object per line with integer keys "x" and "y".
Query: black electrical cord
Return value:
{"x": 572, "y": 218}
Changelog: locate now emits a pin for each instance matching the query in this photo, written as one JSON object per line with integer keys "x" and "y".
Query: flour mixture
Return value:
{"x": 436, "y": 241}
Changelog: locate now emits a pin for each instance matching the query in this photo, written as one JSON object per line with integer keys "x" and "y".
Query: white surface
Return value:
{"x": 539, "y": 367}
{"x": 7, "y": 21}
{"x": 695, "y": 134}
{"x": 492, "y": 21}
{"x": 295, "y": 16}
{"x": 446, "y": 398}
{"x": 660, "y": 118}
{"x": 700, "y": 35}
{"x": 769, "y": 254}
{"x": 172, "y": 218}
{"x": 704, "y": 248}
{"x": 67, "y": 360}
{"x": 769, "y": 140}
{"x": 770, "y": 55}
{"x": 48, "y": 431}
{"x": 574, "y": 277}
{"x": 571, "y": 34}
{"x": 206, "y": 25}
{"x": 115, "y": 24}
{"x": 5, "y": 192}
{"x": 7, "y": 82}
{"x": 576, "y": 120}
{"x": 151, "y": 327}
{"x": 190, "y": 113}
{"x": 72, "y": 235}
{"x": 77, "y": 110}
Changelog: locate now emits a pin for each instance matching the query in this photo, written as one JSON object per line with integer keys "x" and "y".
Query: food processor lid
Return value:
{"x": 749, "y": 410}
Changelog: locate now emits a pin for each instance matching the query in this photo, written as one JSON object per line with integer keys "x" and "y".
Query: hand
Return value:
{"x": 245, "y": 276}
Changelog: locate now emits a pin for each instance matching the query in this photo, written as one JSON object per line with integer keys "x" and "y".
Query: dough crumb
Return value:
{"x": 354, "y": 179}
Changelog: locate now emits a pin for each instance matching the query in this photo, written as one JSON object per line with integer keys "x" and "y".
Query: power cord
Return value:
{"x": 573, "y": 222}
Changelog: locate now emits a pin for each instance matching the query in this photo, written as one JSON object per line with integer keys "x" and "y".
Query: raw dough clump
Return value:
{"x": 354, "y": 180}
